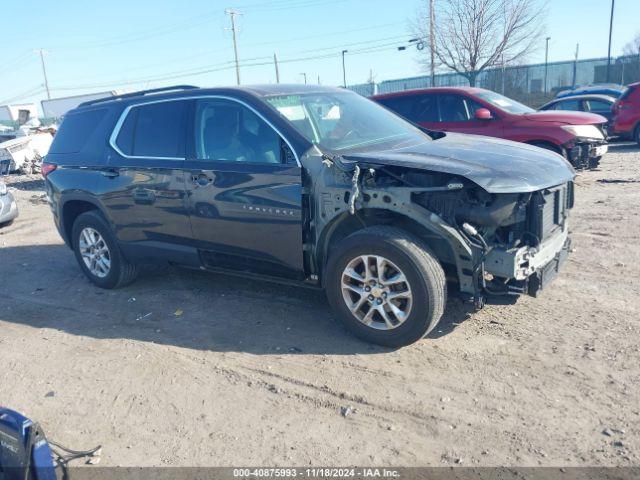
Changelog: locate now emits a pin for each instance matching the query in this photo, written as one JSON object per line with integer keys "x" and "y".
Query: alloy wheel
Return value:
{"x": 94, "y": 252}
{"x": 376, "y": 292}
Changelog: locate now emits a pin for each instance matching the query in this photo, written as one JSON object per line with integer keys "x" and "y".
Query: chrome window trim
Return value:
{"x": 126, "y": 111}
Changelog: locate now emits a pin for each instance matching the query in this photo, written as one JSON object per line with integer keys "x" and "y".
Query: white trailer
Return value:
{"x": 58, "y": 107}
{"x": 18, "y": 113}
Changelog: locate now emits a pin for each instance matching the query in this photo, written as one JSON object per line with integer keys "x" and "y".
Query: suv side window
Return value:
{"x": 425, "y": 109}
{"x": 229, "y": 131}
{"x": 401, "y": 105}
{"x": 76, "y": 130}
{"x": 571, "y": 105}
{"x": 598, "y": 106}
{"x": 154, "y": 130}
{"x": 473, "y": 107}
{"x": 453, "y": 108}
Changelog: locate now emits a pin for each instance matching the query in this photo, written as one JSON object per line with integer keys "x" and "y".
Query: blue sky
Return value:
{"x": 98, "y": 46}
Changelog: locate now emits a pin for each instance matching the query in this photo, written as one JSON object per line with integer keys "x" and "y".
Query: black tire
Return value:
{"x": 121, "y": 272}
{"x": 636, "y": 135}
{"x": 421, "y": 268}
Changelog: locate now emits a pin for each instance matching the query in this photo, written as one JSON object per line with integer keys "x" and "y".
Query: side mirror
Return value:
{"x": 483, "y": 114}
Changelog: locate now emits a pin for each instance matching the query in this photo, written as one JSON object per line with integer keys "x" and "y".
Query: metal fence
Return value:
{"x": 530, "y": 84}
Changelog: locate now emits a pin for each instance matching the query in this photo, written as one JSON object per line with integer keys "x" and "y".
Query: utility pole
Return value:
{"x": 344, "y": 71}
{"x": 504, "y": 73}
{"x": 275, "y": 63}
{"x": 232, "y": 13}
{"x": 42, "y": 52}
{"x": 546, "y": 64}
{"x": 575, "y": 66}
{"x": 305, "y": 77}
{"x": 372, "y": 82}
{"x": 613, "y": 3}
{"x": 432, "y": 40}
{"x": 318, "y": 79}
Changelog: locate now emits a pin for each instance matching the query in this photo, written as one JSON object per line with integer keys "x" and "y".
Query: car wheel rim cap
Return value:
{"x": 94, "y": 252}
{"x": 376, "y": 292}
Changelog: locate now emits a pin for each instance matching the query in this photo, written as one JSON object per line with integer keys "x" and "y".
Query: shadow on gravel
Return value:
{"x": 25, "y": 185}
{"x": 183, "y": 308}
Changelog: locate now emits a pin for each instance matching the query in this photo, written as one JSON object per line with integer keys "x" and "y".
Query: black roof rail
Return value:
{"x": 140, "y": 93}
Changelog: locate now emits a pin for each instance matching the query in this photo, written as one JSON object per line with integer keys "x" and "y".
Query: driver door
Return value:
{"x": 244, "y": 192}
{"x": 457, "y": 114}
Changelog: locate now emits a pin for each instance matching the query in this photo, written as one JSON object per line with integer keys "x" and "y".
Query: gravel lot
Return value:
{"x": 193, "y": 369}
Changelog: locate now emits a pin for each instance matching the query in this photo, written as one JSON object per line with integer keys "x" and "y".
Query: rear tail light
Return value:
{"x": 47, "y": 168}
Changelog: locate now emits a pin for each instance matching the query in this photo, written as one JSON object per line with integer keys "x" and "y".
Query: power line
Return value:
{"x": 187, "y": 23}
{"x": 20, "y": 96}
{"x": 311, "y": 3}
{"x": 192, "y": 22}
{"x": 292, "y": 40}
{"x": 17, "y": 62}
{"x": 226, "y": 66}
{"x": 287, "y": 4}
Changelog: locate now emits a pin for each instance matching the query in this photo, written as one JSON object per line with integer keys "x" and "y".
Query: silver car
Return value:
{"x": 8, "y": 206}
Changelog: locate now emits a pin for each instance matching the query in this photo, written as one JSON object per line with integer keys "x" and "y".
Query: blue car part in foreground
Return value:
{"x": 27, "y": 454}
{"x": 24, "y": 450}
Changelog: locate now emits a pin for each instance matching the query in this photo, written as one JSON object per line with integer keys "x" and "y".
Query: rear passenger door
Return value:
{"x": 143, "y": 186}
{"x": 245, "y": 191}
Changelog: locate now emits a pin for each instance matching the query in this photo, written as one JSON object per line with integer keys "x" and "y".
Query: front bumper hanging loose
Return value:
{"x": 585, "y": 153}
{"x": 524, "y": 271}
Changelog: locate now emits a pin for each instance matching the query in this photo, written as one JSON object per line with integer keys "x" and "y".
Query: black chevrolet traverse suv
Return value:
{"x": 312, "y": 185}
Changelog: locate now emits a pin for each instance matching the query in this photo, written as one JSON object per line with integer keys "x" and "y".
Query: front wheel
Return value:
{"x": 386, "y": 286}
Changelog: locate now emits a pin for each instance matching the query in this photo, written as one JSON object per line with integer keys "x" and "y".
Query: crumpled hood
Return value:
{"x": 498, "y": 166}
{"x": 570, "y": 118}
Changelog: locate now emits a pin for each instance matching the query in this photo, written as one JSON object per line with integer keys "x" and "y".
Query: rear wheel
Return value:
{"x": 636, "y": 135}
{"x": 98, "y": 254}
{"x": 386, "y": 286}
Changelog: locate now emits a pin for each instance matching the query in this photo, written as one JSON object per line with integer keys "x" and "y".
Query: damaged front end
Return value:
{"x": 518, "y": 240}
{"x": 585, "y": 153}
{"x": 488, "y": 243}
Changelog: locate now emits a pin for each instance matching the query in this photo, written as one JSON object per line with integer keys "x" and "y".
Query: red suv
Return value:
{"x": 578, "y": 136}
{"x": 626, "y": 114}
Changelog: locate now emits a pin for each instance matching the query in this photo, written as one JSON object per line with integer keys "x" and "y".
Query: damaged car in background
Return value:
{"x": 8, "y": 206}
{"x": 580, "y": 137}
{"x": 310, "y": 185}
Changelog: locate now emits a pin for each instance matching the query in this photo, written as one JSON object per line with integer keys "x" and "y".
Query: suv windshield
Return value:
{"x": 341, "y": 121}
{"x": 504, "y": 103}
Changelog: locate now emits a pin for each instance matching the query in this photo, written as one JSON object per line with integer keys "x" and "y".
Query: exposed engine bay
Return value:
{"x": 492, "y": 243}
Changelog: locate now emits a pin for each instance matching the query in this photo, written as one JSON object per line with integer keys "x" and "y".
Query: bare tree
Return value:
{"x": 473, "y": 35}
{"x": 633, "y": 47}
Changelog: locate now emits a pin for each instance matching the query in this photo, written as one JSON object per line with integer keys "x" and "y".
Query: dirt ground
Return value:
{"x": 192, "y": 369}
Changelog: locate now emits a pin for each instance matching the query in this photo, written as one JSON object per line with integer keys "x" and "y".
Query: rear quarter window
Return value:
{"x": 75, "y": 131}
{"x": 154, "y": 130}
